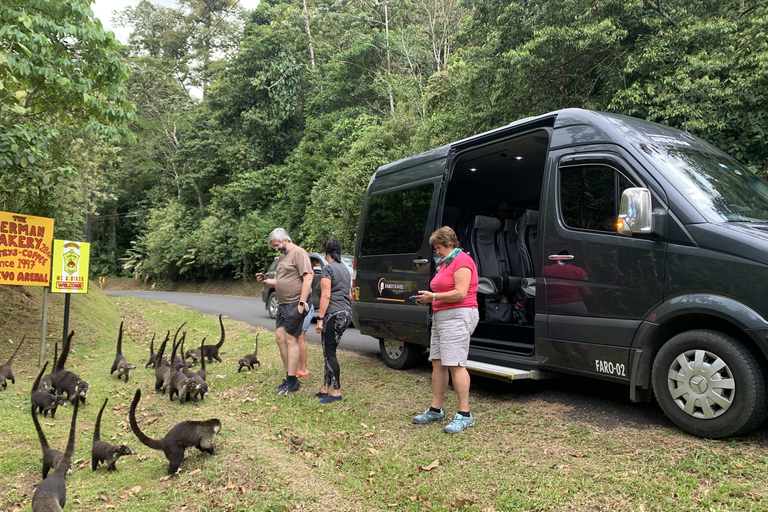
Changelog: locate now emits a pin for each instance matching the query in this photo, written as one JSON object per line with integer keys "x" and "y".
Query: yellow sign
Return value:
{"x": 25, "y": 249}
{"x": 70, "y": 266}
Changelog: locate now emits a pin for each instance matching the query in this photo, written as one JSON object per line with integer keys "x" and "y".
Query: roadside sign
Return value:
{"x": 25, "y": 249}
{"x": 70, "y": 266}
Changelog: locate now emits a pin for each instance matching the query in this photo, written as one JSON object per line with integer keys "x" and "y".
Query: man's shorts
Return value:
{"x": 289, "y": 318}
{"x": 308, "y": 318}
{"x": 451, "y": 329}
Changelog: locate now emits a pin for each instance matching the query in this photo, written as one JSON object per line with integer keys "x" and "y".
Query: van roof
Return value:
{"x": 572, "y": 126}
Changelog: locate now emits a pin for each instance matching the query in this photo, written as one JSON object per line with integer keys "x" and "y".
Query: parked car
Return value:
{"x": 268, "y": 292}
{"x": 606, "y": 246}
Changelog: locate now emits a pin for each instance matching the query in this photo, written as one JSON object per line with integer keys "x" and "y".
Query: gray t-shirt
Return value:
{"x": 340, "y": 283}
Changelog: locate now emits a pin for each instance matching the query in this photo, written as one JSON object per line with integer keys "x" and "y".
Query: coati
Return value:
{"x": 121, "y": 364}
{"x": 51, "y": 456}
{"x": 42, "y": 401}
{"x": 183, "y": 435}
{"x": 151, "y": 360}
{"x": 210, "y": 351}
{"x": 6, "y": 373}
{"x": 250, "y": 360}
{"x": 46, "y": 383}
{"x": 201, "y": 387}
{"x": 75, "y": 387}
{"x": 64, "y": 380}
{"x": 51, "y": 494}
{"x": 161, "y": 366}
{"x": 102, "y": 451}
{"x": 178, "y": 383}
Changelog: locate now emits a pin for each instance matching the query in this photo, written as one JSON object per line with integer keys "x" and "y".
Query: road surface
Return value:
{"x": 251, "y": 311}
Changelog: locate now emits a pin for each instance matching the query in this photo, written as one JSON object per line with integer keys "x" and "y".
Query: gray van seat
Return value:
{"x": 527, "y": 243}
{"x": 492, "y": 276}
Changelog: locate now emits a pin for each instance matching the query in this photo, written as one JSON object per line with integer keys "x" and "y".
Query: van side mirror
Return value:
{"x": 635, "y": 212}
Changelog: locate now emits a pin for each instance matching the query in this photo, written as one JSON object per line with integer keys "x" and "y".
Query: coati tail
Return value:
{"x": 145, "y": 440}
{"x": 97, "y": 427}
{"x": 16, "y": 351}
{"x": 221, "y": 342}
{"x": 64, "y": 352}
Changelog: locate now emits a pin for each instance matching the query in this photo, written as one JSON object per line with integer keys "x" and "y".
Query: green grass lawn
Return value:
{"x": 527, "y": 452}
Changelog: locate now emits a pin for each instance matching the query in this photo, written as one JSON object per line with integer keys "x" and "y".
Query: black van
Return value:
{"x": 606, "y": 246}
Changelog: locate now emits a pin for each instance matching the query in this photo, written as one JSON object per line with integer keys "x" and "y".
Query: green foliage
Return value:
{"x": 59, "y": 79}
{"x": 317, "y": 95}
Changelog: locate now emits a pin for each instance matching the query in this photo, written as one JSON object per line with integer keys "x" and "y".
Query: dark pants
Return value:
{"x": 334, "y": 326}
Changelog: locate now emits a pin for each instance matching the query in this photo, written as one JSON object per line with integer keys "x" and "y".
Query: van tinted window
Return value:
{"x": 396, "y": 221}
{"x": 590, "y": 195}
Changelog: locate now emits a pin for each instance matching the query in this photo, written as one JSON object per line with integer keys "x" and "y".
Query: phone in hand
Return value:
{"x": 263, "y": 276}
{"x": 413, "y": 298}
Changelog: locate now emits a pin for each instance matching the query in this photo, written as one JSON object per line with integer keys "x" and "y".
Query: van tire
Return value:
{"x": 401, "y": 355}
{"x": 700, "y": 360}
{"x": 272, "y": 305}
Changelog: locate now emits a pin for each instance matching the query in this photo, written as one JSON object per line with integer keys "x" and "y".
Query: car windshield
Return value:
{"x": 719, "y": 187}
{"x": 348, "y": 262}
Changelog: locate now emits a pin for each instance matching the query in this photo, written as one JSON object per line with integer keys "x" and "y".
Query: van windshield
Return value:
{"x": 719, "y": 187}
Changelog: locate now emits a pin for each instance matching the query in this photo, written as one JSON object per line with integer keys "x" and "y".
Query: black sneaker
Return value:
{"x": 285, "y": 381}
{"x": 289, "y": 387}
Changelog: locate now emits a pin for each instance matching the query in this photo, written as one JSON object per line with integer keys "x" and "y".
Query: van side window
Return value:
{"x": 590, "y": 195}
{"x": 396, "y": 221}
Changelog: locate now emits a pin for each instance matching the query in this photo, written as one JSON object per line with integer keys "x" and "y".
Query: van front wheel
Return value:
{"x": 399, "y": 354}
{"x": 709, "y": 384}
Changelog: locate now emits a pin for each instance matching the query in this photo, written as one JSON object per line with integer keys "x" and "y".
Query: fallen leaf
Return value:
{"x": 194, "y": 471}
{"x": 229, "y": 485}
{"x": 432, "y": 465}
{"x": 373, "y": 451}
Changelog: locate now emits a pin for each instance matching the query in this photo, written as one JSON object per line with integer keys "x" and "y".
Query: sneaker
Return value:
{"x": 289, "y": 387}
{"x": 302, "y": 374}
{"x": 429, "y": 416}
{"x": 320, "y": 394}
{"x": 282, "y": 384}
{"x": 459, "y": 423}
{"x": 330, "y": 398}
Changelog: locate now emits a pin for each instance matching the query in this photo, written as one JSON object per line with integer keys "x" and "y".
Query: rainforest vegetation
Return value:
{"x": 179, "y": 151}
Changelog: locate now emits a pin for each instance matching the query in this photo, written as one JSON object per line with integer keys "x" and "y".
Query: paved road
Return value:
{"x": 251, "y": 311}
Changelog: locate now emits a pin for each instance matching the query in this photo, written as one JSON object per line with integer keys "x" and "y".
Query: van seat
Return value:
{"x": 492, "y": 277}
{"x": 527, "y": 244}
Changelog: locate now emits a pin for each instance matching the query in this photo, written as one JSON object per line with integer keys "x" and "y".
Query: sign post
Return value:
{"x": 25, "y": 256}
{"x": 70, "y": 272}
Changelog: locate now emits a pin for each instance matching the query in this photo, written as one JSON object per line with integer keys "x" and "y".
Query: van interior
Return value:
{"x": 492, "y": 203}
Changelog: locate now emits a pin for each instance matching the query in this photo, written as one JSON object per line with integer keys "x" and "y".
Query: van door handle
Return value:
{"x": 420, "y": 261}
{"x": 560, "y": 257}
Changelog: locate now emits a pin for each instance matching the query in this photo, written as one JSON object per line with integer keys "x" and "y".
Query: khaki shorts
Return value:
{"x": 451, "y": 329}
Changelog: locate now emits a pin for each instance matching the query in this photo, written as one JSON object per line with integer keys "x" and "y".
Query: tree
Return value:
{"x": 59, "y": 75}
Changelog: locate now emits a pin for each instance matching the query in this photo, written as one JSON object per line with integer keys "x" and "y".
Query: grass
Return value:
{"x": 568, "y": 444}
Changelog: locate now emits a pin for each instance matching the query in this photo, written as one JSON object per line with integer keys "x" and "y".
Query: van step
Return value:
{"x": 502, "y": 371}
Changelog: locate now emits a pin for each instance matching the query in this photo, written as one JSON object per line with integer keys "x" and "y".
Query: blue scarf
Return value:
{"x": 448, "y": 259}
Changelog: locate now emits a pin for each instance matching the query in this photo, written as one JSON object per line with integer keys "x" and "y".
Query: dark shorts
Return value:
{"x": 289, "y": 318}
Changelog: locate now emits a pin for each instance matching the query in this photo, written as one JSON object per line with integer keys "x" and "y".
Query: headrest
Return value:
{"x": 483, "y": 222}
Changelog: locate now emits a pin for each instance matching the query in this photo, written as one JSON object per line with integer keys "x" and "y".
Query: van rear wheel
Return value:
{"x": 400, "y": 355}
{"x": 709, "y": 384}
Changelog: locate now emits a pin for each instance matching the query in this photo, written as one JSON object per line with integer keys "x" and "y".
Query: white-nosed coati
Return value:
{"x": 250, "y": 360}
{"x": 201, "y": 387}
{"x": 210, "y": 351}
{"x": 51, "y": 456}
{"x": 161, "y": 365}
{"x": 183, "y": 435}
{"x": 102, "y": 451}
{"x": 151, "y": 360}
{"x": 64, "y": 380}
{"x": 42, "y": 401}
{"x": 46, "y": 384}
{"x": 178, "y": 383}
{"x": 121, "y": 364}
{"x": 6, "y": 373}
{"x": 51, "y": 494}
